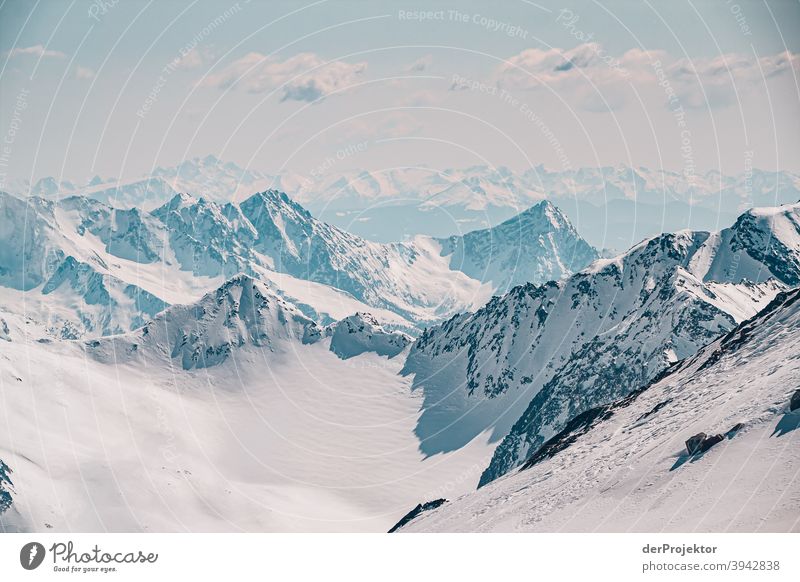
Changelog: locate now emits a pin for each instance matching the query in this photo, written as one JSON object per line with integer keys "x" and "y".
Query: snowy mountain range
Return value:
{"x": 114, "y": 269}
{"x": 613, "y": 207}
{"x": 248, "y": 366}
{"x": 513, "y": 366}
{"x": 626, "y": 466}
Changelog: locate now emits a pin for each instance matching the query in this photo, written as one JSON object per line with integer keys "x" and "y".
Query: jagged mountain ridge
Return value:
{"x": 242, "y": 312}
{"x": 762, "y": 246}
{"x": 607, "y": 329}
{"x": 625, "y": 466}
{"x": 539, "y": 244}
{"x": 202, "y": 242}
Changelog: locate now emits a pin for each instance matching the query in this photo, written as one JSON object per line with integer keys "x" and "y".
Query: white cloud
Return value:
{"x": 83, "y": 73}
{"x": 587, "y": 62}
{"x": 715, "y": 81}
{"x": 191, "y": 60}
{"x": 36, "y": 51}
{"x": 422, "y": 64}
{"x": 588, "y": 71}
{"x": 195, "y": 57}
{"x": 380, "y": 126}
{"x": 303, "y": 77}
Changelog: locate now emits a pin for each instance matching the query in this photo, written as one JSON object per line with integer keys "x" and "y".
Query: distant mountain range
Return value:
{"x": 612, "y": 207}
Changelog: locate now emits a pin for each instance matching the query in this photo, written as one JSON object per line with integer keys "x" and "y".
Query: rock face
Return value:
{"x": 418, "y": 510}
{"x": 794, "y": 403}
{"x": 564, "y": 347}
{"x": 6, "y": 487}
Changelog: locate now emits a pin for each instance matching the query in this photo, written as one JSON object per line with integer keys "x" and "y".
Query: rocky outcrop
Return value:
{"x": 419, "y": 509}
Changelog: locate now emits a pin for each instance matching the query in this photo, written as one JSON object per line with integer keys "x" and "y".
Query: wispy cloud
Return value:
{"x": 421, "y": 65}
{"x": 83, "y": 73}
{"x": 716, "y": 81}
{"x": 590, "y": 73}
{"x": 303, "y": 77}
{"x": 36, "y": 51}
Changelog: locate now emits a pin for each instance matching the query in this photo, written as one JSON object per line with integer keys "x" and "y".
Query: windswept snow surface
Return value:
{"x": 230, "y": 414}
{"x": 631, "y": 471}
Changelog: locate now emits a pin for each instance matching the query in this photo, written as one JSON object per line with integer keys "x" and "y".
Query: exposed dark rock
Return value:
{"x": 734, "y": 429}
{"x": 6, "y": 486}
{"x": 422, "y": 507}
{"x": 701, "y": 442}
{"x": 794, "y": 403}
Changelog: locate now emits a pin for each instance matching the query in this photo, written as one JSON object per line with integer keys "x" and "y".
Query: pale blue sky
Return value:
{"x": 84, "y": 90}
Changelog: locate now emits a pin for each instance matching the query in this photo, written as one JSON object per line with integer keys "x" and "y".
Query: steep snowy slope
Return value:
{"x": 513, "y": 365}
{"x": 70, "y": 289}
{"x": 764, "y": 243}
{"x": 536, "y": 246}
{"x": 625, "y": 466}
{"x": 231, "y": 414}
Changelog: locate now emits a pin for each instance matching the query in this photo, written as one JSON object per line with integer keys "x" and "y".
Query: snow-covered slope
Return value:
{"x": 536, "y": 246}
{"x": 70, "y": 289}
{"x": 512, "y": 366}
{"x": 235, "y": 413}
{"x": 625, "y": 466}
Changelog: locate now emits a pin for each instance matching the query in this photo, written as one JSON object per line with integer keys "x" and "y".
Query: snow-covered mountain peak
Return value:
{"x": 538, "y": 245}
{"x": 241, "y": 312}
{"x": 360, "y": 333}
{"x": 177, "y": 202}
{"x": 764, "y": 243}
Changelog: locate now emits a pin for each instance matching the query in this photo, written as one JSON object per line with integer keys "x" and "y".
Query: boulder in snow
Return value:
{"x": 701, "y": 442}
{"x": 420, "y": 508}
{"x": 794, "y": 403}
